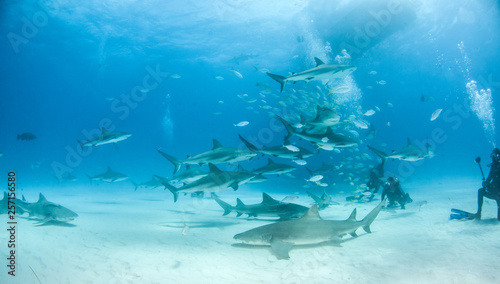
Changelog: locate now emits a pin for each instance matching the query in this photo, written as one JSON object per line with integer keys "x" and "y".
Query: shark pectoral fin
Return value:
{"x": 353, "y": 234}
{"x": 280, "y": 248}
{"x": 234, "y": 185}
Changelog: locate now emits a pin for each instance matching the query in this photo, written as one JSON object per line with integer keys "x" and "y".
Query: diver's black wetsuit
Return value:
{"x": 395, "y": 194}
{"x": 374, "y": 181}
{"x": 490, "y": 189}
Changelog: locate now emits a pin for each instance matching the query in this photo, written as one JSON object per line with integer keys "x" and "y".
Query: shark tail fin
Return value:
{"x": 226, "y": 206}
{"x": 168, "y": 186}
{"x": 379, "y": 153}
{"x": 288, "y": 126}
{"x": 135, "y": 185}
{"x": 367, "y": 221}
{"x": 279, "y": 79}
{"x": 81, "y": 143}
{"x": 90, "y": 178}
{"x": 316, "y": 198}
{"x": 249, "y": 145}
{"x": 176, "y": 162}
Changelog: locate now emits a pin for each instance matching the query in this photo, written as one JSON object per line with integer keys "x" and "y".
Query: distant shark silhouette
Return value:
{"x": 106, "y": 137}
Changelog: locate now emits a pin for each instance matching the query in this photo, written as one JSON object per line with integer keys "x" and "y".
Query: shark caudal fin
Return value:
{"x": 135, "y": 185}
{"x": 226, "y": 206}
{"x": 176, "y": 162}
{"x": 367, "y": 221}
{"x": 168, "y": 186}
{"x": 279, "y": 79}
{"x": 249, "y": 145}
{"x": 378, "y": 152}
{"x": 288, "y": 126}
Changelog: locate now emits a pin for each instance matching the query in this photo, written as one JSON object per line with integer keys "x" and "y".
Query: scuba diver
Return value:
{"x": 490, "y": 189}
{"x": 491, "y": 186}
{"x": 394, "y": 192}
{"x": 375, "y": 180}
{"x": 372, "y": 186}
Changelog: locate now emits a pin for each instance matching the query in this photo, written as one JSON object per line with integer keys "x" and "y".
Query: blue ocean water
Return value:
{"x": 178, "y": 74}
{"x": 68, "y": 66}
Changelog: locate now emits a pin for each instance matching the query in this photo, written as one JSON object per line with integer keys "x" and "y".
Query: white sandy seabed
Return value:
{"x": 123, "y": 236}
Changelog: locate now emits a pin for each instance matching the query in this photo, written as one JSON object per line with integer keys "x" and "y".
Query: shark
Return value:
{"x": 324, "y": 201}
{"x": 4, "y": 205}
{"x": 279, "y": 151}
{"x": 310, "y": 229}
{"x": 109, "y": 176}
{"x": 189, "y": 175}
{"x": 325, "y": 117}
{"x": 327, "y": 139}
{"x": 106, "y": 137}
{"x": 269, "y": 207}
{"x": 219, "y": 154}
{"x": 322, "y": 71}
{"x": 409, "y": 153}
{"x": 324, "y": 169}
{"x": 48, "y": 212}
{"x": 151, "y": 184}
{"x": 216, "y": 180}
{"x": 273, "y": 168}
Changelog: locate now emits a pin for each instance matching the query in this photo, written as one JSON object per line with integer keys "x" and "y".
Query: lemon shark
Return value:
{"x": 47, "y": 212}
{"x": 278, "y": 151}
{"x": 216, "y": 180}
{"x": 310, "y": 229}
{"x": 327, "y": 139}
{"x": 106, "y": 137}
{"x": 409, "y": 153}
{"x": 4, "y": 204}
{"x": 269, "y": 207}
{"x": 322, "y": 71}
{"x": 219, "y": 154}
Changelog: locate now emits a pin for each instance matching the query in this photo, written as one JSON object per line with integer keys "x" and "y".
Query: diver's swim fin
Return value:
{"x": 461, "y": 215}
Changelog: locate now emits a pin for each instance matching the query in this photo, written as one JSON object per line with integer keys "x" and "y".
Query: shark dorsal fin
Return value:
{"x": 5, "y": 196}
{"x": 41, "y": 198}
{"x": 318, "y": 61}
{"x": 329, "y": 131}
{"x": 352, "y": 217}
{"x": 324, "y": 196}
{"x": 104, "y": 130}
{"x": 409, "y": 141}
{"x": 312, "y": 213}
{"x": 266, "y": 199}
{"x": 241, "y": 169}
{"x": 314, "y": 197}
{"x": 217, "y": 144}
{"x": 213, "y": 168}
{"x": 239, "y": 203}
{"x": 109, "y": 169}
{"x": 318, "y": 110}
{"x": 269, "y": 161}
